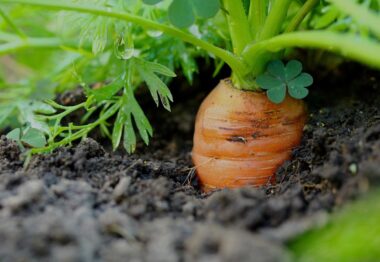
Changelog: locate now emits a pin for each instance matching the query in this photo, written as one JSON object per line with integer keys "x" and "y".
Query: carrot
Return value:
{"x": 241, "y": 138}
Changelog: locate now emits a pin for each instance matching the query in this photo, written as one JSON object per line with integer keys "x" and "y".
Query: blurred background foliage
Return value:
{"x": 352, "y": 235}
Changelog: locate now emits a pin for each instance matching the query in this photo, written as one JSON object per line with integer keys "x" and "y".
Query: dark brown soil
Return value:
{"x": 87, "y": 204}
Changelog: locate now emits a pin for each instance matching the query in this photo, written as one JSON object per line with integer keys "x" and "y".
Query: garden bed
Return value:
{"x": 85, "y": 203}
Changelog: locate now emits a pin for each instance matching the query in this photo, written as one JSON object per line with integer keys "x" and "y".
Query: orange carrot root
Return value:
{"x": 241, "y": 138}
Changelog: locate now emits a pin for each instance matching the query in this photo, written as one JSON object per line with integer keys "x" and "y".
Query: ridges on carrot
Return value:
{"x": 241, "y": 138}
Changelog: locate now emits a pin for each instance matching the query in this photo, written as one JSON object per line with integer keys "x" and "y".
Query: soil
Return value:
{"x": 85, "y": 203}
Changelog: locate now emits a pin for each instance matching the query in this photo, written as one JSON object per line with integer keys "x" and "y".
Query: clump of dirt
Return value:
{"x": 85, "y": 203}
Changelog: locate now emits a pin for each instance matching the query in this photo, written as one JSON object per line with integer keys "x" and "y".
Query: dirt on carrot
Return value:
{"x": 241, "y": 138}
{"x": 87, "y": 204}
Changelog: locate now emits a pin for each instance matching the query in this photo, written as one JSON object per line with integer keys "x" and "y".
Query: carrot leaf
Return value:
{"x": 158, "y": 89}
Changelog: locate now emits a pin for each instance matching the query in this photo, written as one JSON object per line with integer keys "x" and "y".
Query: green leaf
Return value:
{"x": 157, "y": 87}
{"x": 129, "y": 136}
{"x": 181, "y": 13}
{"x": 277, "y": 68}
{"x": 279, "y": 78}
{"x": 117, "y": 131}
{"x": 42, "y": 108}
{"x": 142, "y": 123}
{"x": 293, "y": 69}
{"x": 206, "y": 8}
{"x": 303, "y": 80}
{"x": 104, "y": 130}
{"x": 277, "y": 94}
{"x": 186, "y": 60}
{"x": 331, "y": 13}
{"x": 30, "y": 118}
{"x": 151, "y": 2}
{"x": 34, "y": 138}
{"x": 15, "y": 134}
{"x": 267, "y": 81}
{"x": 100, "y": 39}
{"x": 124, "y": 47}
{"x": 246, "y": 4}
{"x": 131, "y": 107}
{"x": 160, "y": 69}
{"x": 108, "y": 91}
{"x": 298, "y": 92}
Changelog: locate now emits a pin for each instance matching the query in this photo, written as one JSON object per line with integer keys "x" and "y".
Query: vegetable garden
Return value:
{"x": 266, "y": 148}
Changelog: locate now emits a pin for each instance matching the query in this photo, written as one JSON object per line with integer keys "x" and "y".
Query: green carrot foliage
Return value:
{"x": 114, "y": 49}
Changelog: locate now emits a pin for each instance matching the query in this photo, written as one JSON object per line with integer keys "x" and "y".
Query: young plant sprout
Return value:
{"x": 247, "y": 126}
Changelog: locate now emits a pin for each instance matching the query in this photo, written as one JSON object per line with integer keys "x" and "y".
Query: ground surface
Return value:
{"x": 85, "y": 204}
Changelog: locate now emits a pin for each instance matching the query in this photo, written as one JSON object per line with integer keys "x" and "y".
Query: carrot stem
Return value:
{"x": 301, "y": 14}
{"x": 257, "y": 15}
{"x": 233, "y": 61}
{"x": 275, "y": 19}
{"x": 238, "y": 25}
{"x": 348, "y": 45}
{"x": 271, "y": 27}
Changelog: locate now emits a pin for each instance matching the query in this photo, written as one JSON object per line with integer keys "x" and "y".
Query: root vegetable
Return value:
{"x": 241, "y": 138}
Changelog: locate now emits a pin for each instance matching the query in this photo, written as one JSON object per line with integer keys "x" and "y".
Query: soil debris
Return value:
{"x": 83, "y": 203}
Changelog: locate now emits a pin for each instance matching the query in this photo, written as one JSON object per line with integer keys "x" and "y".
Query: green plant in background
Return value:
{"x": 353, "y": 234}
{"x": 29, "y": 137}
{"x": 128, "y": 44}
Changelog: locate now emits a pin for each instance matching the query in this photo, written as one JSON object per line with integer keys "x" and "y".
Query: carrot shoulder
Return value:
{"x": 241, "y": 138}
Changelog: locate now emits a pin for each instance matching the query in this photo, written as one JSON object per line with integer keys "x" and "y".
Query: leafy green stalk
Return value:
{"x": 114, "y": 99}
{"x": 257, "y": 16}
{"x": 240, "y": 36}
{"x": 275, "y": 19}
{"x": 258, "y": 61}
{"x": 256, "y": 30}
{"x": 234, "y": 62}
{"x": 271, "y": 27}
{"x": 301, "y": 14}
{"x": 22, "y": 43}
{"x": 348, "y": 45}
{"x": 238, "y": 25}
{"x": 82, "y": 131}
{"x": 360, "y": 13}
